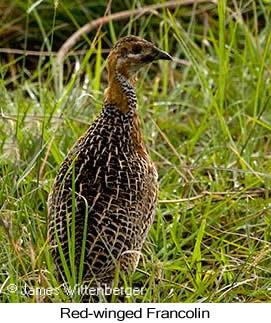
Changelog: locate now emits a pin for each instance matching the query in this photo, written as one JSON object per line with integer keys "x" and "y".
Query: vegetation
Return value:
{"x": 206, "y": 122}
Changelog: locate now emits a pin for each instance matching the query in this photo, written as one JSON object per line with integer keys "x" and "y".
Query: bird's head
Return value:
{"x": 130, "y": 54}
{"x": 125, "y": 59}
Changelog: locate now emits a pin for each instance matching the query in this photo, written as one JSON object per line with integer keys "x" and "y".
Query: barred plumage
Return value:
{"x": 108, "y": 177}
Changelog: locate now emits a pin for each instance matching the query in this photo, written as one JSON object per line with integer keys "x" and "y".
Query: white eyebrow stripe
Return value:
{"x": 132, "y": 55}
{"x": 122, "y": 59}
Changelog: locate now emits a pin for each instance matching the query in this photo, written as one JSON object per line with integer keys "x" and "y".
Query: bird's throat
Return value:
{"x": 121, "y": 93}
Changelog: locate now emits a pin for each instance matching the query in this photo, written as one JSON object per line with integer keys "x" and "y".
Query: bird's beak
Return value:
{"x": 155, "y": 55}
{"x": 160, "y": 54}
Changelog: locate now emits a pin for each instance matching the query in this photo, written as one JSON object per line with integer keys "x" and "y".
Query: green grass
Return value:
{"x": 207, "y": 126}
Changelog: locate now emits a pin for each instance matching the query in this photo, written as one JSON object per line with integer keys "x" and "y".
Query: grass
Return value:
{"x": 206, "y": 125}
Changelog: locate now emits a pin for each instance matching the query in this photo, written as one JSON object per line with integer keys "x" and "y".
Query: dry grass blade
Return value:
{"x": 74, "y": 38}
{"x": 250, "y": 193}
{"x": 52, "y": 53}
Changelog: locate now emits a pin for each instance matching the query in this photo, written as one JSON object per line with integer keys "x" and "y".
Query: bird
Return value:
{"x": 103, "y": 199}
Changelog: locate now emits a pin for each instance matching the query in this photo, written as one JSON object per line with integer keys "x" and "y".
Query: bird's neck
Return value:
{"x": 121, "y": 92}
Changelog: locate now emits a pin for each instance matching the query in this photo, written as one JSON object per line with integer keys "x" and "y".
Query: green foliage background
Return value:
{"x": 206, "y": 122}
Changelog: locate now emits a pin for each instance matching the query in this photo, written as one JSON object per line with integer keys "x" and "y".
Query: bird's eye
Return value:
{"x": 124, "y": 51}
{"x": 136, "y": 49}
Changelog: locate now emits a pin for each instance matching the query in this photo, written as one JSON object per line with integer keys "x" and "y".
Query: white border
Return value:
{"x": 219, "y": 313}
